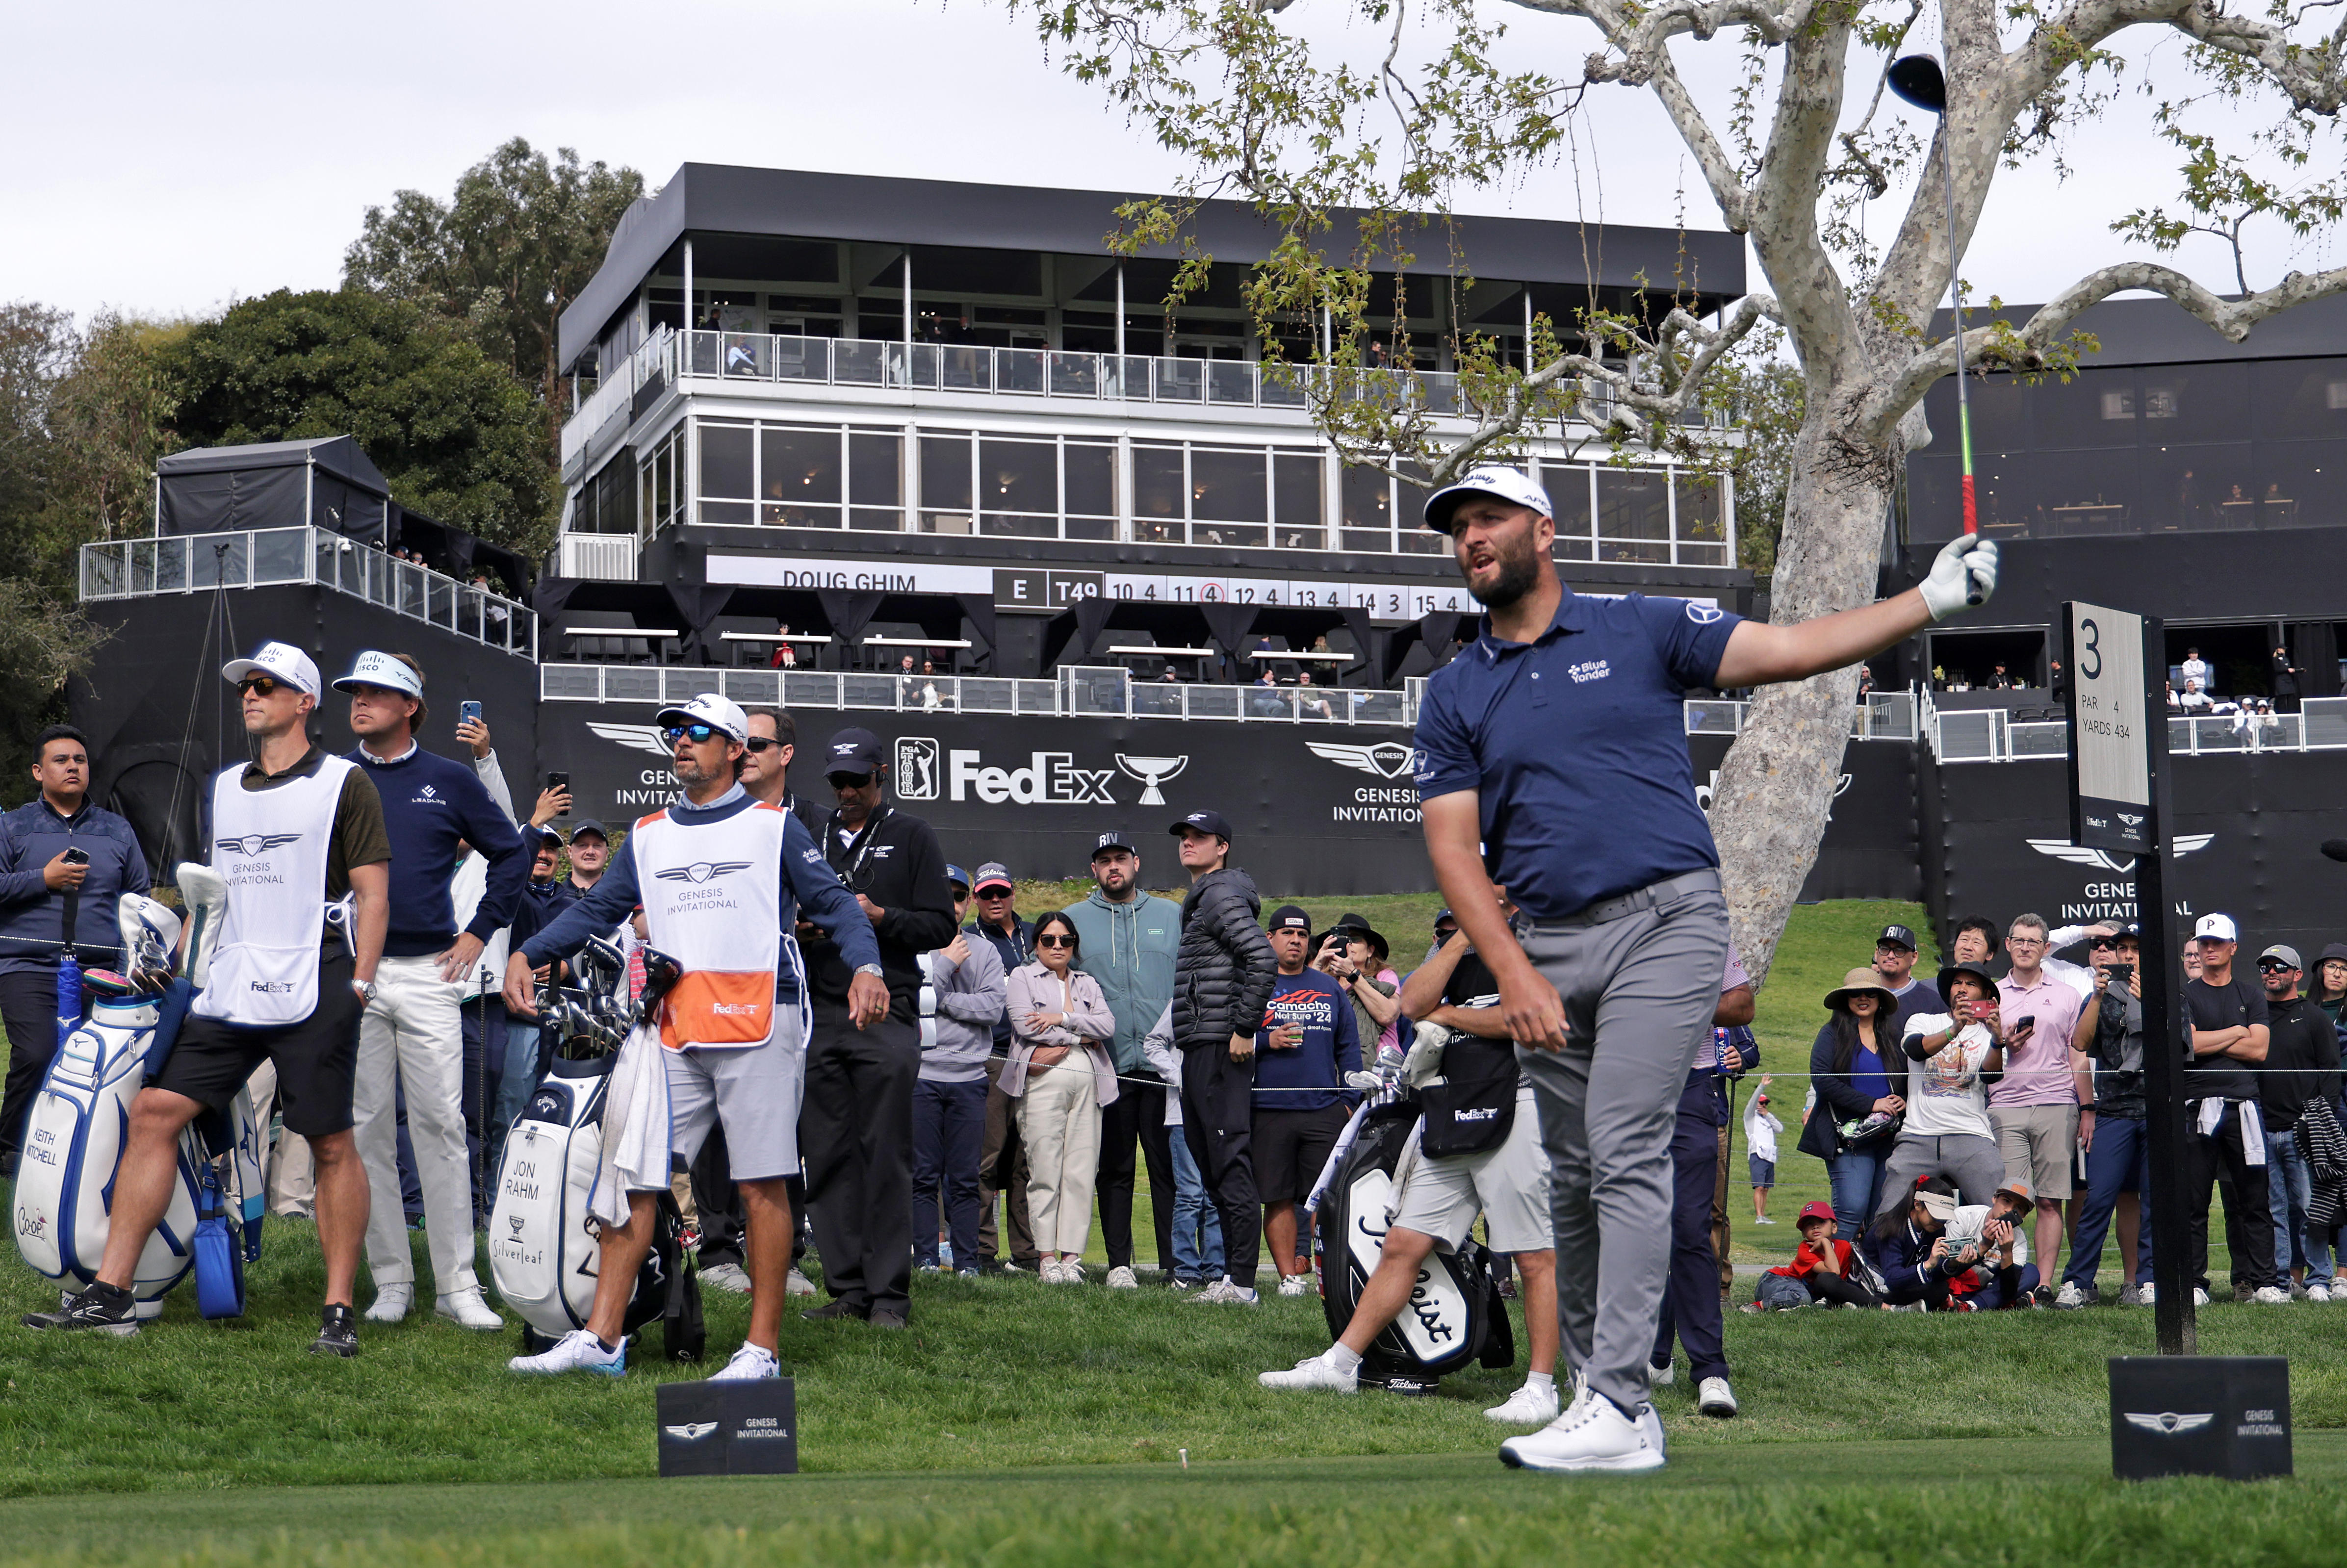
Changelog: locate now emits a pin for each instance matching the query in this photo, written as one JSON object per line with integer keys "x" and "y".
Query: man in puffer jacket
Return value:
{"x": 1222, "y": 979}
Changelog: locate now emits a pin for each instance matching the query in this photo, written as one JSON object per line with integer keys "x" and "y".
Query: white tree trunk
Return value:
{"x": 1769, "y": 809}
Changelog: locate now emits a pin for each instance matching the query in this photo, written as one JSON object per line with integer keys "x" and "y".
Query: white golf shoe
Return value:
{"x": 576, "y": 1352}
{"x": 1713, "y": 1397}
{"x": 1294, "y": 1284}
{"x": 728, "y": 1276}
{"x": 1121, "y": 1277}
{"x": 797, "y": 1284}
{"x": 1527, "y": 1407}
{"x": 392, "y": 1302}
{"x": 466, "y": 1310}
{"x": 1312, "y": 1372}
{"x": 749, "y": 1364}
{"x": 1591, "y": 1435}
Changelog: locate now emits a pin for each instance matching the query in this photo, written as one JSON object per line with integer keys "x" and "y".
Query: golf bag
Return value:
{"x": 1456, "y": 1315}
{"x": 543, "y": 1250}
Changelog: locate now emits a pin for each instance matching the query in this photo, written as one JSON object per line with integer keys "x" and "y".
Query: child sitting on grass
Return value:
{"x": 1991, "y": 1233}
{"x": 1825, "y": 1269}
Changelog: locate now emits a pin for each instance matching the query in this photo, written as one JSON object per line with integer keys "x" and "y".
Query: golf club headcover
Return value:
{"x": 1423, "y": 1065}
{"x": 204, "y": 892}
{"x": 660, "y": 974}
{"x": 144, "y": 926}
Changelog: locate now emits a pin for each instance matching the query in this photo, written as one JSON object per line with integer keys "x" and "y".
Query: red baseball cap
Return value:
{"x": 1815, "y": 1209}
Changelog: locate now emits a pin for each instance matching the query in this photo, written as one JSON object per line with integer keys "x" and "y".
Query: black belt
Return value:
{"x": 1635, "y": 901}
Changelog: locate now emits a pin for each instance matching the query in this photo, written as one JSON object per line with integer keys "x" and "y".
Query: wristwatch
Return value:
{"x": 364, "y": 990}
{"x": 873, "y": 969}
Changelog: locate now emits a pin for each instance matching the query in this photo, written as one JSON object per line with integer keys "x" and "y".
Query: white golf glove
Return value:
{"x": 1963, "y": 576}
{"x": 1423, "y": 1065}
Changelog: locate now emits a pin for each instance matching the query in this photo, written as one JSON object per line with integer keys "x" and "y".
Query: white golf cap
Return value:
{"x": 720, "y": 713}
{"x": 280, "y": 660}
{"x": 1505, "y": 483}
{"x": 374, "y": 669}
{"x": 2216, "y": 928}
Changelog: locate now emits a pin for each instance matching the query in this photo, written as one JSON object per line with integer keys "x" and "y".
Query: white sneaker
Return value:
{"x": 392, "y": 1302}
{"x": 1764, "y": 1219}
{"x": 1713, "y": 1397}
{"x": 1072, "y": 1271}
{"x": 730, "y": 1276}
{"x": 1047, "y": 1271}
{"x": 1121, "y": 1277}
{"x": 1651, "y": 1425}
{"x": 2272, "y": 1296}
{"x": 2069, "y": 1298}
{"x": 798, "y": 1283}
{"x": 1294, "y": 1284}
{"x": 1527, "y": 1407}
{"x": 1223, "y": 1293}
{"x": 2199, "y": 1296}
{"x": 750, "y": 1364}
{"x": 1660, "y": 1376}
{"x": 1589, "y": 1435}
{"x": 1312, "y": 1372}
{"x": 576, "y": 1352}
{"x": 466, "y": 1309}
{"x": 2145, "y": 1296}
{"x": 2318, "y": 1292}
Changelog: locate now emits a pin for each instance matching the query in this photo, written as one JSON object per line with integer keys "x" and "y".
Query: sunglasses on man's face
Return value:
{"x": 760, "y": 742}
{"x": 2276, "y": 967}
{"x": 848, "y": 781}
{"x": 1055, "y": 941}
{"x": 699, "y": 732}
{"x": 258, "y": 686}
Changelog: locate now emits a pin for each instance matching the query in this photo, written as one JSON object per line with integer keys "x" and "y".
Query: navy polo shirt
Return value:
{"x": 1576, "y": 746}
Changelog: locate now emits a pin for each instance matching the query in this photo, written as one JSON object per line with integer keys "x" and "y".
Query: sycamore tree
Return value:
{"x": 1798, "y": 153}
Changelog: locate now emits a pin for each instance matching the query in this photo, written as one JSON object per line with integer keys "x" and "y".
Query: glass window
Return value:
{"x": 726, "y": 461}
{"x": 1091, "y": 479}
{"x": 2193, "y": 488}
{"x": 1158, "y": 499}
{"x": 2195, "y": 403}
{"x": 1567, "y": 484}
{"x": 1298, "y": 500}
{"x": 799, "y": 472}
{"x": 1934, "y": 498}
{"x": 1364, "y": 498}
{"x": 1634, "y": 520}
{"x": 2299, "y": 483}
{"x": 2085, "y": 493}
{"x": 2093, "y": 408}
{"x": 1018, "y": 476}
{"x": 2007, "y": 495}
{"x": 945, "y": 470}
{"x": 2299, "y": 397}
{"x": 1701, "y": 513}
{"x": 876, "y": 480}
{"x": 1228, "y": 486}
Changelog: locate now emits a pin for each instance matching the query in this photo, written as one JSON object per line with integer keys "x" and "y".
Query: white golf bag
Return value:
{"x": 80, "y": 1121}
{"x": 542, "y": 1252}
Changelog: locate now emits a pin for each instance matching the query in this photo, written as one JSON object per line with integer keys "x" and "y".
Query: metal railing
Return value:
{"x": 1878, "y": 716}
{"x": 1990, "y": 735}
{"x": 264, "y": 557}
{"x": 1078, "y": 692}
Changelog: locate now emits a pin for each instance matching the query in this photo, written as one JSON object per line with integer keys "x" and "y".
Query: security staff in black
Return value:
{"x": 1223, "y": 977}
{"x": 856, "y": 1123}
{"x": 1553, "y": 764}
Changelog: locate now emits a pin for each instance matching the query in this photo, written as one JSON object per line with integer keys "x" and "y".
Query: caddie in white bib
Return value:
{"x": 271, "y": 846}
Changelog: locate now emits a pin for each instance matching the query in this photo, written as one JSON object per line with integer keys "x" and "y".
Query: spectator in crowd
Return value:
{"x": 1311, "y": 699}
{"x": 1988, "y": 1241}
{"x": 411, "y": 1038}
{"x": 1129, "y": 940}
{"x": 1907, "y": 1247}
{"x": 1358, "y": 964}
{"x": 2195, "y": 700}
{"x": 1456, "y": 993}
{"x": 47, "y": 900}
{"x": 1446, "y": 926}
{"x": 1303, "y": 1054}
{"x": 858, "y": 1115}
{"x": 785, "y": 656}
{"x": 2194, "y": 668}
{"x": 1223, "y": 977}
{"x": 544, "y": 897}
{"x": 1857, "y": 1075}
{"x": 2301, "y": 1064}
{"x": 1952, "y": 1058}
{"x": 1197, "y": 1227}
{"x": 1760, "y": 1129}
{"x": 2284, "y": 677}
{"x": 1975, "y": 941}
{"x": 2229, "y": 1035}
{"x": 590, "y": 851}
{"x": 322, "y": 821}
{"x": 1061, "y": 1075}
{"x": 1013, "y": 941}
{"x": 1692, "y": 1312}
{"x": 2118, "y": 1147}
{"x": 2044, "y": 1105}
{"x": 950, "y": 1099}
{"x": 1998, "y": 680}
{"x": 1824, "y": 1267}
{"x": 2327, "y": 988}
{"x": 1894, "y": 962}
{"x": 2175, "y": 698}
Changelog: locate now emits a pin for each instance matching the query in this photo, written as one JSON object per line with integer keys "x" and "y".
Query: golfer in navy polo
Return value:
{"x": 1553, "y": 762}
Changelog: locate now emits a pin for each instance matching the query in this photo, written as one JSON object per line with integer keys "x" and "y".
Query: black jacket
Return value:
{"x": 1224, "y": 973}
{"x": 2301, "y": 1062}
{"x": 901, "y": 868}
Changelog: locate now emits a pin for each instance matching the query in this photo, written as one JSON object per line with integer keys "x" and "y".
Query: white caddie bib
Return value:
{"x": 271, "y": 846}
{"x": 712, "y": 901}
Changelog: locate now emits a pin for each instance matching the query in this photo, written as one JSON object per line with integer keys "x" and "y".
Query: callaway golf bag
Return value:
{"x": 543, "y": 1248}
{"x": 1456, "y": 1315}
{"x": 79, "y": 1122}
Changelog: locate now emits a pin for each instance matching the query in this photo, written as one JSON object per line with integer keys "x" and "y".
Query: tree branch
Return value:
{"x": 2232, "y": 319}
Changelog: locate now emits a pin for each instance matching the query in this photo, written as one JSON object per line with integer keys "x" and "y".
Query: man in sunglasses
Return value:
{"x": 300, "y": 837}
{"x": 411, "y": 1038}
{"x": 858, "y": 1121}
{"x": 723, "y": 879}
{"x": 1013, "y": 941}
{"x": 2301, "y": 1066}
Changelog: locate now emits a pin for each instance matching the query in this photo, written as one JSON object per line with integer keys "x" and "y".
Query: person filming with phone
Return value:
{"x": 1951, "y": 1058}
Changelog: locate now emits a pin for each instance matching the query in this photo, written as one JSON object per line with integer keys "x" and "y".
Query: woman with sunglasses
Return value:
{"x": 1060, "y": 1075}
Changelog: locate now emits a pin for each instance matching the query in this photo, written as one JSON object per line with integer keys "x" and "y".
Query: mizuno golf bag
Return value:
{"x": 1456, "y": 1314}
{"x": 543, "y": 1251}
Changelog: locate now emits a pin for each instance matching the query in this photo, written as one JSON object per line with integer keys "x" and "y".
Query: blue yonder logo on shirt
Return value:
{"x": 1589, "y": 670}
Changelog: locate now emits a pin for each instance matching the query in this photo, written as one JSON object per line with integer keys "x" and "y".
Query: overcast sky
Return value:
{"x": 170, "y": 158}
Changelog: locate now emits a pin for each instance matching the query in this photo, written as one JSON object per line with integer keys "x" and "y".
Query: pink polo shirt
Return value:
{"x": 2039, "y": 1072}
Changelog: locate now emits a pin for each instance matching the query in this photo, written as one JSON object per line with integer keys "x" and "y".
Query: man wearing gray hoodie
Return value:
{"x": 950, "y": 1098}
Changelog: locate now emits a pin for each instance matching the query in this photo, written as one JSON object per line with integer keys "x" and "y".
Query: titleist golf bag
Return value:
{"x": 79, "y": 1122}
{"x": 1456, "y": 1315}
{"x": 544, "y": 1254}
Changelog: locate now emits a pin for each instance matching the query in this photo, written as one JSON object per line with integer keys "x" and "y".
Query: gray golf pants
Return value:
{"x": 1971, "y": 1162}
{"x": 1640, "y": 976}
